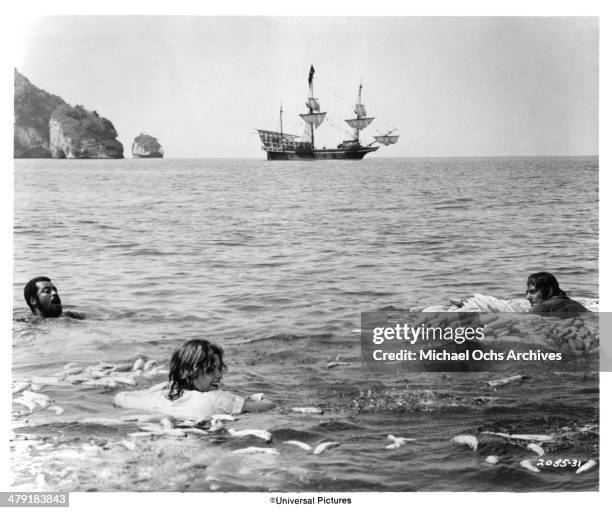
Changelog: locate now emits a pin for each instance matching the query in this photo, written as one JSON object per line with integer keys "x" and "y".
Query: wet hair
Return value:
{"x": 188, "y": 361}
{"x": 31, "y": 290}
{"x": 547, "y": 283}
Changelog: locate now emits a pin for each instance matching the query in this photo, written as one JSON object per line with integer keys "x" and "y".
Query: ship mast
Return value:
{"x": 314, "y": 117}
{"x": 311, "y": 89}
{"x": 361, "y": 121}
{"x": 281, "y": 128}
{"x": 358, "y": 115}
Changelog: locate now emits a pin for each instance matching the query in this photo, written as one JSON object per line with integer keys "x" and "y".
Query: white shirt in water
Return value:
{"x": 192, "y": 405}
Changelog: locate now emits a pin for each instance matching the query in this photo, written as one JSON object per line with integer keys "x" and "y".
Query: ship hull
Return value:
{"x": 321, "y": 154}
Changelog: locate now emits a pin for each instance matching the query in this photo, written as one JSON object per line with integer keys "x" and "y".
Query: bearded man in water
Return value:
{"x": 41, "y": 296}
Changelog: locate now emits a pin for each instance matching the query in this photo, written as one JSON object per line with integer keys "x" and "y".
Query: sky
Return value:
{"x": 449, "y": 86}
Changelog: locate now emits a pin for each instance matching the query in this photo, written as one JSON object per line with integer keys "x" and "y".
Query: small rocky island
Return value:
{"x": 146, "y": 147}
{"x": 47, "y": 127}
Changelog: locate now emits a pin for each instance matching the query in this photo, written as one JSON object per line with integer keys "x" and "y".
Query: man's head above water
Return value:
{"x": 542, "y": 286}
{"x": 42, "y": 297}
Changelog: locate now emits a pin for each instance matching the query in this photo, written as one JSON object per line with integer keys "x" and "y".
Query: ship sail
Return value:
{"x": 359, "y": 123}
{"x": 360, "y": 111}
{"x": 386, "y": 139}
{"x": 316, "y": 118}
{"x": 313, "y": 103}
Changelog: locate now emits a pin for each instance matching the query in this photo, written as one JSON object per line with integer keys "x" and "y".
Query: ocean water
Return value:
{"x": 275, "y": 261}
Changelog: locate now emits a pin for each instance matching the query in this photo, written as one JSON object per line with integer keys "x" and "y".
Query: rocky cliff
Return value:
{"x": 147, "y": 146}
{"x": 33, "y": 108}
{"x": 46, "y": 126}
{"x": 76, "y": 133}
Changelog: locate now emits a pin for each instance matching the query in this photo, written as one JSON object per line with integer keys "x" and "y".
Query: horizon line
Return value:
{"x": 371, "y": 158}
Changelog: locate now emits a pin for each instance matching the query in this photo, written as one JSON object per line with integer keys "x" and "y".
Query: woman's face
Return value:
{"x": 209, "y": 380}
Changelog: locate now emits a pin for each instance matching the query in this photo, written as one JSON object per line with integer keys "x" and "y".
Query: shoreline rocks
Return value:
{"x": 33, "y": 108}
{"x": 48, "y": 127}
{"x": 76, "y": 133}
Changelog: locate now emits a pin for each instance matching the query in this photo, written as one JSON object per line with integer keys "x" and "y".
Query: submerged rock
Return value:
{"x": 146, "y": 146}
{"x": 77, "y": 133}
{"x": 33, "y": 108}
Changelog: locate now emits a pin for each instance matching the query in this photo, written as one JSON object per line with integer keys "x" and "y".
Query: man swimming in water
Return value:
{"x": 545, "y": 296}
{"x": 41, "y": 296}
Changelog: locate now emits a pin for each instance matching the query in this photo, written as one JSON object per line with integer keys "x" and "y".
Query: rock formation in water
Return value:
{"x": 76, "y": 133}
{"x": 146, "y": 146}
{"x": 46, "y": 126}
{"x": 33, "y": 108}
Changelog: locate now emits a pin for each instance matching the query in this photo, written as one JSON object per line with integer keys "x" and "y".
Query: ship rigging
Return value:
{"x": 284, "y": 146}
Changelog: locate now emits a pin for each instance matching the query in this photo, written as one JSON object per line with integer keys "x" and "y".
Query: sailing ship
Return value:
{"x": 284, "y": 146}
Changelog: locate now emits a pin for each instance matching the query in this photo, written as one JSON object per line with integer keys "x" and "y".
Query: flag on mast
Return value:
{"x": 310, "y": 75}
